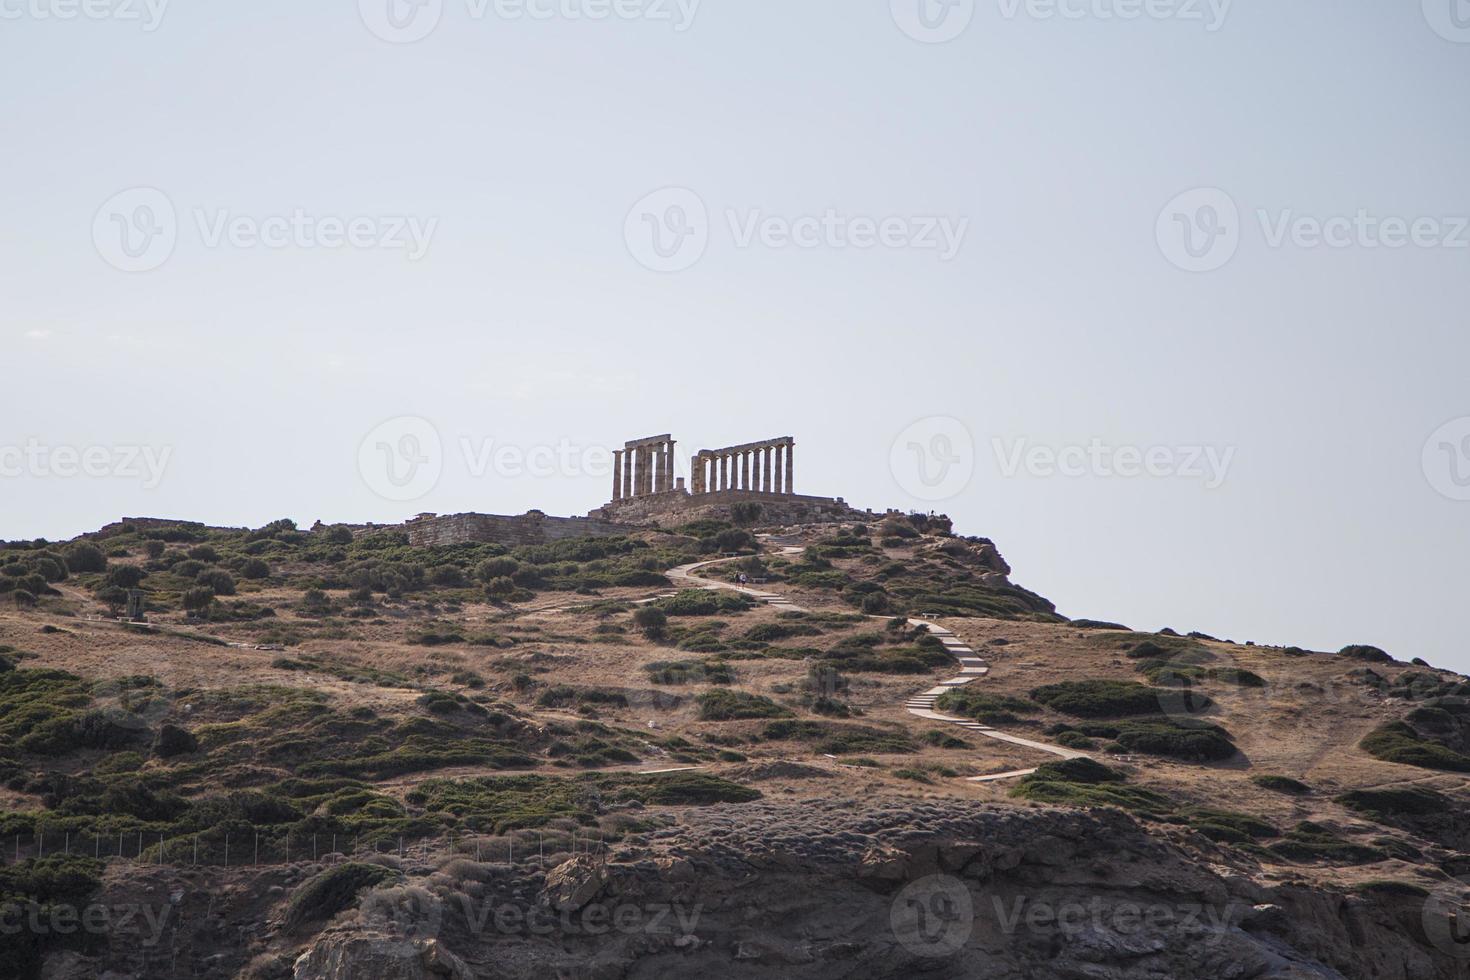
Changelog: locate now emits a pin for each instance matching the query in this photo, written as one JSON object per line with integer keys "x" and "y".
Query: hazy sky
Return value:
{"x": 991, "y": 253}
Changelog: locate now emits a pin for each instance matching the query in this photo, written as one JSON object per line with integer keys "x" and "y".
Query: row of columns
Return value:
{"x": 642, "y": 468}
{"x": 756, "y": 469}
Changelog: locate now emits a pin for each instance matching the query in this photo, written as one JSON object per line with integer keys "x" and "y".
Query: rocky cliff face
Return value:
{"x": 836, "y": 889}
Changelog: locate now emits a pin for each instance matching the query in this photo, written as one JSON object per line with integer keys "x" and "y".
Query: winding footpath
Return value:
{"x": 972, "y": 666}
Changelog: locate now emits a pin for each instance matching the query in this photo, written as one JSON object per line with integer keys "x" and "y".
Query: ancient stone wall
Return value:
{"x": 530, "y": 528}
{"x": 673, "y": 509}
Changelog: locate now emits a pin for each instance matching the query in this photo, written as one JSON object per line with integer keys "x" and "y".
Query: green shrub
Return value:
{"x": 126, "y": 576}
{"x": 1075, "y": 740}
{"x": 992, "y": 709}
{"x": 835, "y": 738}
{"x": 221, "y": 581}
{"x": 1066, "y": 784}
{"x": 255, "y": 569}
{"x": 772, "y": 632}
{"x": 1281, "y": 784}
{"x": 173, "y": 741}
{"x": 85, "y": 557}
{"x": 1369, "y": 654}
{"x": 493, "y": 568}
{"x": 332, "y": 891}
{"x": 1399, "y": 742}
{"x": 724, "y": 705}
{"x": 651, "y": 620}
{"x": 1309, "y": 842}
{"x": 1109, "y": 699}
{"x": 690, "y": 671}
{"x": 703, "y": 602}
{"x": 1387, "y": 805}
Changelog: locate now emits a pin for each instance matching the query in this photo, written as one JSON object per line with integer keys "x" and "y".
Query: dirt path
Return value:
{"x": 972, "y": 666}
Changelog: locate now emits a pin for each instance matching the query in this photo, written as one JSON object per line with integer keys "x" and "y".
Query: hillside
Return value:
{"x": 328, "y": 754}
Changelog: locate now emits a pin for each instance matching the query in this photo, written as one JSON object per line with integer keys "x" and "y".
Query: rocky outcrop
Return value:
{"x": 940, "y": 888}
{"x": 571, "y": 885}
{"x": 339, "y": 956}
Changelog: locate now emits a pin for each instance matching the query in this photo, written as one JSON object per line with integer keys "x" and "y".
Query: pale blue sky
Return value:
{"x": 529, "y": 320}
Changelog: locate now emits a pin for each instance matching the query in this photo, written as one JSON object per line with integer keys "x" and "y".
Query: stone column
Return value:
{"x": 673, "y": 444}
{"x": 766, "y": 469}
{"x": 745, "y": 470}
{"x": 779, "y": 471}
{"x": 790, "y": 467}
{"x": 617, "y": 474}
{"x": 642, "y": 478}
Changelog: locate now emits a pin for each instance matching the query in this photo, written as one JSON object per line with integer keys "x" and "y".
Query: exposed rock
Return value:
{"x": 574, "y": 883}
{"x": 340, "y": 956}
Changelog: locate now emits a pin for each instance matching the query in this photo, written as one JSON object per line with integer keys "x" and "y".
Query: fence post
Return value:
{"x": 227, "y": 850}
{"x": 196, "y": 850}
{"x": 66, "y": 847}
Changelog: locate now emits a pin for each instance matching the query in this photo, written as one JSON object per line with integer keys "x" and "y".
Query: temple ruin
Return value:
{"x": 647, "y": 492}
{"x": 758, "y": 467}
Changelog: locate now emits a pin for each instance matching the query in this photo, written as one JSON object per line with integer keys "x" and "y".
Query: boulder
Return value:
{"x": 572, "y": 884}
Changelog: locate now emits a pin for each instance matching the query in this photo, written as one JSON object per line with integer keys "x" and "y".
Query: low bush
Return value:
{"x": 1400, "y": 742}
{"x": 332, "y": 891}
{"x": 835, "y": 738}
{"x": 724, "y": 705}
{"x": 704, "y": 602}
{"x": 1110, "y": 699}
{"x": 1281, "y": 784}
{"x": 690, "y": 671}
{"x": 992, "y": 709}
